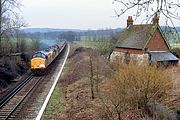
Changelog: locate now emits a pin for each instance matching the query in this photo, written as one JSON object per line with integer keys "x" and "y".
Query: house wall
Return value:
{"x": 117, "y": 56}
{"x": 133, "y": 51}
{"x": 157, "y": 42}
{"x": 136, "y": 58}
{"x": 140, "y": 58}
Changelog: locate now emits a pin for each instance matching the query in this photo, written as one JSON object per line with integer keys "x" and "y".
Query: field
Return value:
{"x": 89, "y": 44}
{"x": 175, "y": 45}
{"x": 14, "y": 45}
{"x": 94, "y": 37}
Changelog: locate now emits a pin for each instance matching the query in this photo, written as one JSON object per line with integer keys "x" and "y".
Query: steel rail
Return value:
{"x": 11, "y": 93}
{"x": 23, "y": 98}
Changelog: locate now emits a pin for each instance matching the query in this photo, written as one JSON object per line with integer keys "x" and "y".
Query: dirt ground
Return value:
{"x": 76, "y": 93}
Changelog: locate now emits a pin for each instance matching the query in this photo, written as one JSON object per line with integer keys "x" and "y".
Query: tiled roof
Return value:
{"x": 136, "y": 36}
{"x": 162, "y": 56}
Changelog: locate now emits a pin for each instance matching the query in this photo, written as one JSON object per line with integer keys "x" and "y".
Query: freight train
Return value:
{"x": 42, "y": 59}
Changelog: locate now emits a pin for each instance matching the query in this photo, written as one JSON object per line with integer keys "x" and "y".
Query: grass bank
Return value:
{"x": 55, "y": 104}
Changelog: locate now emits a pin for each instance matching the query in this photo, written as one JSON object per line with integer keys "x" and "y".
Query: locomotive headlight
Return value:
{"x": 42, "y": 65}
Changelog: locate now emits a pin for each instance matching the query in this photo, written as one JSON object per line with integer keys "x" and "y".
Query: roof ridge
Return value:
{"x": 136, "y": 36}
{"x": 141, "y": 24}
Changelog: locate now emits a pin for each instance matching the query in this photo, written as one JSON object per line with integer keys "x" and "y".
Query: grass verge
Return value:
{"x": 54, "y": 105}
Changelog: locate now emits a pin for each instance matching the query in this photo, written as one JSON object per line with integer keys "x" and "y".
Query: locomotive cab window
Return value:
{"x": 39, "y": 55}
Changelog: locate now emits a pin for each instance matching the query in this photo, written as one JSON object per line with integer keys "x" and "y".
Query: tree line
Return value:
{"x": 86, "y": 35}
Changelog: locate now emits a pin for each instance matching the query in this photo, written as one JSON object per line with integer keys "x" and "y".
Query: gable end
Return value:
{"x": 157, "y": 42}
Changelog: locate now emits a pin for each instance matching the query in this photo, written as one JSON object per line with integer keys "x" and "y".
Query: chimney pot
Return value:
{"x": 156, "y": 19}
{"x": 129, "y": 21}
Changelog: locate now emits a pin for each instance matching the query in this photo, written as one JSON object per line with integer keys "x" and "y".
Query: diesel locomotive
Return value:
{"x": 42, "y": 59}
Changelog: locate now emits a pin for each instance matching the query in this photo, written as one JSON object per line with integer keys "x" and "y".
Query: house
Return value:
{"x": 143, "y": 43}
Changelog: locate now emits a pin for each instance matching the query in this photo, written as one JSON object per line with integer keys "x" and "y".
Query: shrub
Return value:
{"x": 135, "y": 85}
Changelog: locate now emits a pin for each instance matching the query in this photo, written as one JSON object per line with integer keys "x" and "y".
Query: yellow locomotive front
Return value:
{"x": 42, "y": 59}
{"x": 38, "y": 64}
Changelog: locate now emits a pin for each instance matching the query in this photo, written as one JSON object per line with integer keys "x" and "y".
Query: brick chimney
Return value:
{"x": 156, "y": 19}
{"x": 129, "y": 21}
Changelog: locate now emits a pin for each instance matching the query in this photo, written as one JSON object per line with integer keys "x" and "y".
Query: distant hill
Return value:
{"x": 47, "y": 30}
{"x": 178, "y": 29}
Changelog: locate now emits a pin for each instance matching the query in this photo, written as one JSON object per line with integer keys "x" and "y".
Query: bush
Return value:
{"x": 135, "y": 85}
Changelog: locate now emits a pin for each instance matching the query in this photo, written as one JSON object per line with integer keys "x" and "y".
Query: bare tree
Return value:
{"x": 91, "y": 74}
{"x": 94, "y": 71}
{"x": 168, "y": 8}
{"x": 20, "y": 40}
{"x": 135, "y": 86}
{"x": 9, "y": 19}
{"x": 117, "y": 93}
{"x": 97, "y": 73}
{"x": 35, "y": 43}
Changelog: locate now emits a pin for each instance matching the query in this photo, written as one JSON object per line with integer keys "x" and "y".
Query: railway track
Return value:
{"x": 12, "y": 102}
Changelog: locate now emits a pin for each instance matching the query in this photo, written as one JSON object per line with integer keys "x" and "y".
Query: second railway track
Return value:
{"x": 14, "y": 104}
{"x": 13, "y": 101}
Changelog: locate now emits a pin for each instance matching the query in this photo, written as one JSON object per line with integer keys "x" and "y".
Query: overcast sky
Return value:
{"x": 76, "y": 14}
